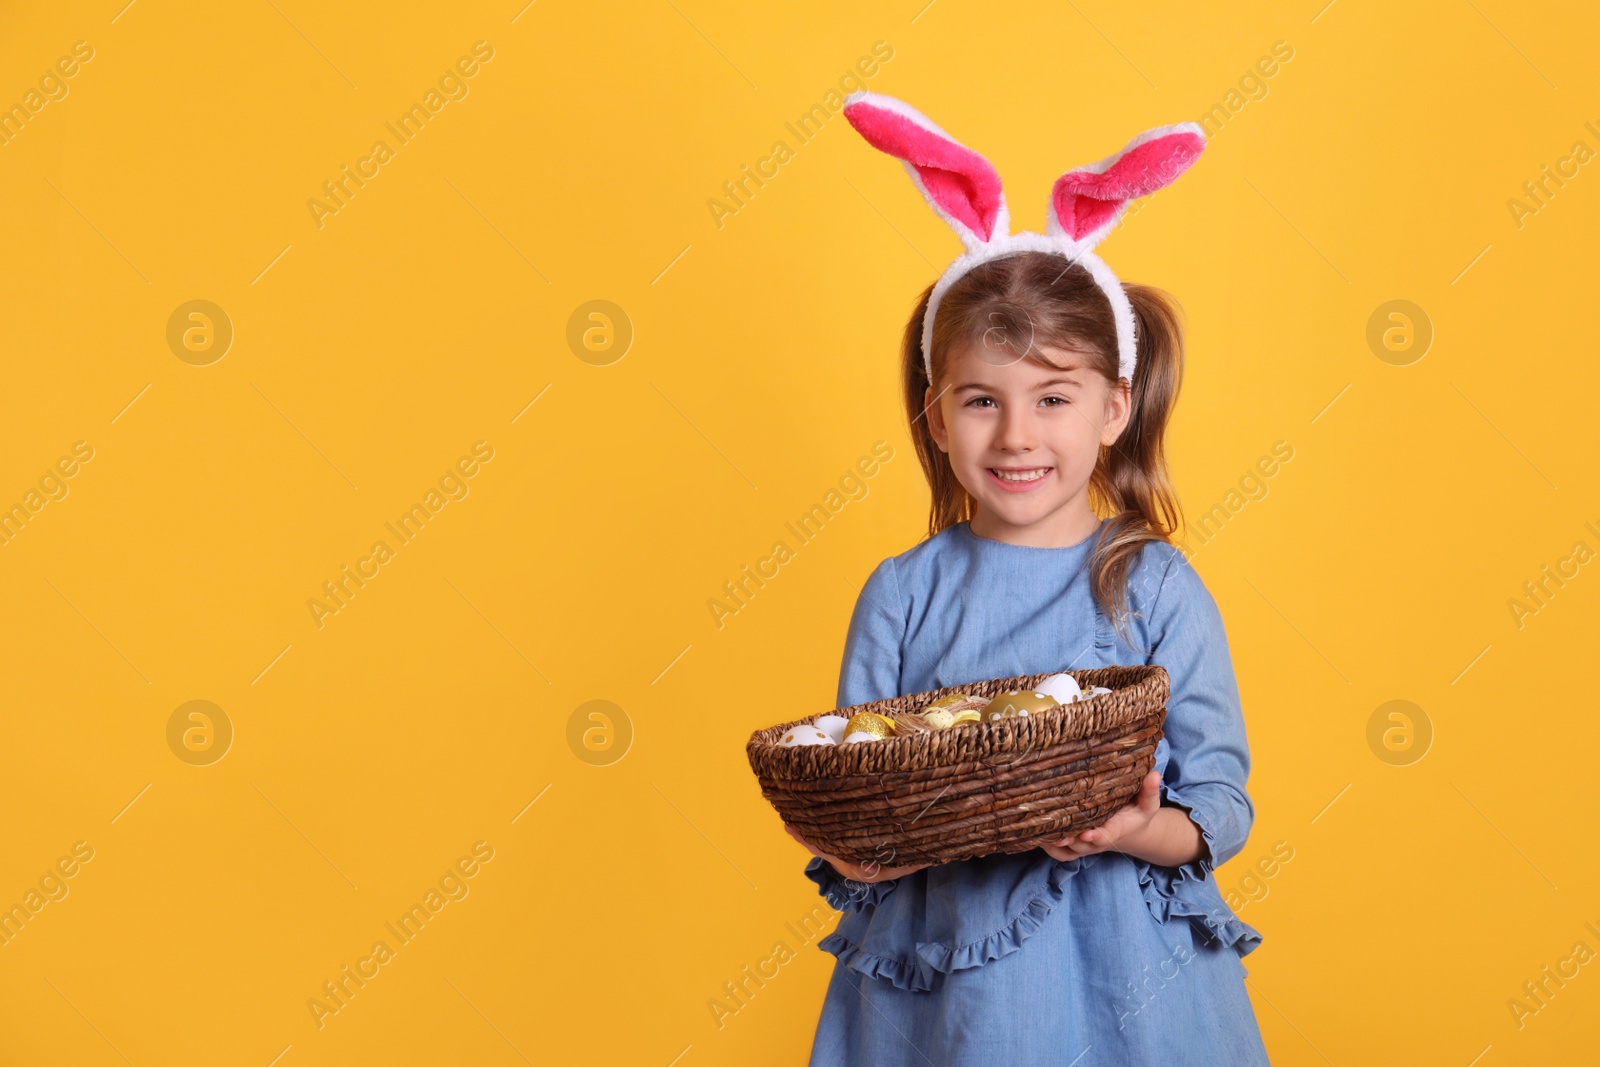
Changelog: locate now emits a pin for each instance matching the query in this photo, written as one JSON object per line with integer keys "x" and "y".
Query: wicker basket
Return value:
{"x": 972, "y": 790}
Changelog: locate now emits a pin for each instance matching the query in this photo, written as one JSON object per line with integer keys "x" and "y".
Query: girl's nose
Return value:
{"x": 1016, "y": 433}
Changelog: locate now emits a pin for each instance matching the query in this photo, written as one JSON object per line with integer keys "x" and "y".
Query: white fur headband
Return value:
{"x": 1085, "y": 204}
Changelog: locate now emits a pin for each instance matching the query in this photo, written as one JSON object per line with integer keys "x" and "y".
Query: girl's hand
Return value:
{"x": 870, "y": 871}
{"x": 1124, "y": 825}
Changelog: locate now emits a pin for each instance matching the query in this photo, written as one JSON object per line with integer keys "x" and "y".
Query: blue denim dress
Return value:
{"x": 1024, "y": 959}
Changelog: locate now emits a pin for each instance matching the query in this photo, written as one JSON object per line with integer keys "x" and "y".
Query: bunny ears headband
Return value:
{"x": 1085, "y": 204}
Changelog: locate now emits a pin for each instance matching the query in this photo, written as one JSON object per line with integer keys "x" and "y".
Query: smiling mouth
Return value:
{"x": 1019, "y": 475}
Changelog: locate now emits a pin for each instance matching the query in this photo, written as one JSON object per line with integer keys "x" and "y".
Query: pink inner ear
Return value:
{"x": 1082, "y": 215}
{"x": 1085, "y": 201}
{"x": 958, "y": 179}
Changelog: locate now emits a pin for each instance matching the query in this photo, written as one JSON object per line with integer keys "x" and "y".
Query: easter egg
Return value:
{"x": 1016, "y": 703}
{"x": 948, "y": 702}
{"x": 833, "y": 726}
{"x": 869, "y": 722}
{"x": 805, "y": 735}
{"x": 939, "y": 719}
{"x": 966, "y": 715}
{"x": 1064, "y": 687}
{"x": 855, "y": 737}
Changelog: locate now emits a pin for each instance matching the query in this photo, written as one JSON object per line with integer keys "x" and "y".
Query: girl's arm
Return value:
{"x": 1208, "y": 755}
{"x": 1144, "y": 829}
{"x": 869, "y": 872}
{"x": 1206, "y": 813}
{"x": 870, "y": 671}
{"x": 871, "y": 667}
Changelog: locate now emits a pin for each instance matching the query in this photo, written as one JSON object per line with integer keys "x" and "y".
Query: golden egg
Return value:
{"x": 948, "y": 702}
{"x": 966, "y": 715}
{"x": 1018, "y": 702}
{"x": 869, "y": 722}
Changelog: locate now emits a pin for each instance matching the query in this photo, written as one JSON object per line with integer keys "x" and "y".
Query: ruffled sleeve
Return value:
{"x": 1203, "y": 757}
{"x": 1190, "y": 890}
{"x": 845, "y": 894}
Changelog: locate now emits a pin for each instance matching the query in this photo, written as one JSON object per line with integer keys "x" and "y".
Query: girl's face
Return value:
{"x": 1023, "y": 439}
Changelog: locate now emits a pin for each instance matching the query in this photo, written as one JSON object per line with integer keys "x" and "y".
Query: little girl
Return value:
{"x": 1111, "y": 946}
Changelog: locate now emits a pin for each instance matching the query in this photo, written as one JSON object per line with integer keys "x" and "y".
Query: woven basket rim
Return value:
{"x": 1141, "y": 697}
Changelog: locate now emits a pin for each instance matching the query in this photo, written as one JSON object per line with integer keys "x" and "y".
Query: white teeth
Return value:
{"x": 1022, "y": 476}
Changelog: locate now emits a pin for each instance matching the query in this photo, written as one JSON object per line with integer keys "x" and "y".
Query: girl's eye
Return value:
{"x": 1055, "y": 401}
{"x": 978, "y": 400}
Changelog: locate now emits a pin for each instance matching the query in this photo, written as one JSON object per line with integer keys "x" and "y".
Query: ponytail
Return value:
{"x": 951, "y": 502}
{"x": 1130, "y": 484}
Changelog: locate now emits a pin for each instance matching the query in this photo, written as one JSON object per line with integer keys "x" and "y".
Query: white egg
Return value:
{"x": 859, "y": 736}
{"x": 804, "y": 735}
{"x": 1064, "y": 687}
{"x": 833, "y": 726}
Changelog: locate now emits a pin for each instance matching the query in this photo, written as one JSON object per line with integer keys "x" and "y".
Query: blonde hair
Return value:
{"x": 1046, "y": 300}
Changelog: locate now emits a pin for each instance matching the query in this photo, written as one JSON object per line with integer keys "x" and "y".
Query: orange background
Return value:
{"x": 431, "y": 312}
